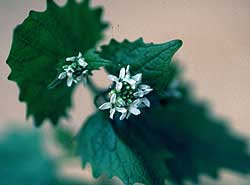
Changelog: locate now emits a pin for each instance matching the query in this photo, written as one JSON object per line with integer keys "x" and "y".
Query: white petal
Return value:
{"x": 139, "y": 93}
{"x": 69, "y": 74}
{"x": 69, "y": 81}
{"x": 122, "y": 73}
{"x": 113, "y": 78}
{"x": 82, "y": 63}
{"x": 121, "y": 110}
{"x": 133, "y": 86}
{"x": 113, "y": 98}
{"x": 62, "y": 75}
{"x": 136, "y": 94}
{"x": 128, "y": 115}
{"x": 127, "y": 69}
{"x": 123, "y": 115}
{"x": 72, "y": 59}
{"x": 134, "y": 110}
{"x": 79, "y": 55}
{"x": 146, "y": 102}
{"x": 118, "y": 86}
{"x": 137, "y": 77}
{"x": 112, "y": 112}
{"x": 104, "y": 106}
{"x": 130, "y": 81}
{"x": 84, "y": 72}
{"x": 143, "y": 86}
{"x": 146, "y": 91}
{"x": 136, "y": 102}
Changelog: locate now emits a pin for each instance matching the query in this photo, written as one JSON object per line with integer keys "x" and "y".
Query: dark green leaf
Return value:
{"x": 40, "y": 43}
{"x": 199, "y": 142}
{"x": 99, "y": 145}
{"x": 152, "y": 60}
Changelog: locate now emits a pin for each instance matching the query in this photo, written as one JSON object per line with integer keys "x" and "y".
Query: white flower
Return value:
{"x": 143, "y": 90}
{"x": 124, "y": 76}
{"x": 112, "y": 106}
{"x": 132, "y": 109}
{"x": 81, "y": 61}
{"x": 127, "y": 97}
{"x": 76, "y": 71}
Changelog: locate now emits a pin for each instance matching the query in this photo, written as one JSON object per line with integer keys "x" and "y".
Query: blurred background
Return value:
{"x": 215, "y": 56}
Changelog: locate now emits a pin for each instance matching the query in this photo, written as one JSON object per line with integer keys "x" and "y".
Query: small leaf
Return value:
{"x": 98, "y": 144}
{"x": 152, "y": 60}
{"x": 40, "y": 43}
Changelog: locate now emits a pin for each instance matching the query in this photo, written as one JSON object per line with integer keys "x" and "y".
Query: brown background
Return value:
{"x": 215, "y": 54}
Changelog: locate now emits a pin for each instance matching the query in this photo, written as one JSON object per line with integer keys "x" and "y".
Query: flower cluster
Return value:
{"x": 127, "y": 95}
{"x": 76, "y": 71}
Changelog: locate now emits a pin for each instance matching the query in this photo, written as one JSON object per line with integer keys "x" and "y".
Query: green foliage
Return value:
{"x": 98, "y": 144}
{"x": 95, "y": 61}
{"x": 199, "y": 142}
{"x": 39, "y": 44}
{"x": 24, "y": 161}
{"x": 176, "y": 139}
{"x": 152, "y": 60}
{"x": 65, "y": 138}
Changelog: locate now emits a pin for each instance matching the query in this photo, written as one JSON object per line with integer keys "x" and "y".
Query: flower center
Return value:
{"x": 127, "y": 93}
{"x": 77, "y": 69}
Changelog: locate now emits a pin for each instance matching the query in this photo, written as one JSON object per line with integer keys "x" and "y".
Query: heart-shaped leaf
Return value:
{"x": 39, "y": 43}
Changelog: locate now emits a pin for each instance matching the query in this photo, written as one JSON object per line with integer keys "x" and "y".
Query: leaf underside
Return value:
{"x": 39, "y": 43}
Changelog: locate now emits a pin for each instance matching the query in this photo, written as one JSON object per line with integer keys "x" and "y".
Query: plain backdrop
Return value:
{"x": 215, "y": 54}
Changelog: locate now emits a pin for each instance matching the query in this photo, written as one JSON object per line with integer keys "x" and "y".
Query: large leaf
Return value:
{"x": 23, "y": 159}
{"x": 39, "y": 43}
{"x": 152, "y": 60}
{"x": 98, "y": 144}
{"x": 199, "y": 142}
